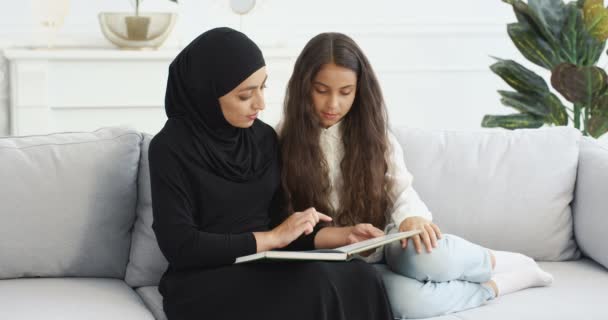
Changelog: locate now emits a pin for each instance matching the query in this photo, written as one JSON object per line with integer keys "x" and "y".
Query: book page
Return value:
{"x": 375, "y": 242}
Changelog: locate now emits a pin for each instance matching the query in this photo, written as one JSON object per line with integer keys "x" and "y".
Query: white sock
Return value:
{"x": 508, "y": 261}
{"x": 521, "y": 278}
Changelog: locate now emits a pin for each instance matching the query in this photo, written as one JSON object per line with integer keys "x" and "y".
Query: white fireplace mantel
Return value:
{"x": 57, "y": 90}
{"x": 84, "y": 89}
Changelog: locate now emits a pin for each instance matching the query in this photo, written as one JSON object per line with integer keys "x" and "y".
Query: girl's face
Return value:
{"x": 242, "y": 105}
{"x": 333, "y": 93}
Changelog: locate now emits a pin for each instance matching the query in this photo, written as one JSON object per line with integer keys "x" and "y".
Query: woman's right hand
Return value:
{"x": 297, "y": 224}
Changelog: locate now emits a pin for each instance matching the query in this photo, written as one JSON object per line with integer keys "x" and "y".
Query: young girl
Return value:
{"x": 339, "y": 157}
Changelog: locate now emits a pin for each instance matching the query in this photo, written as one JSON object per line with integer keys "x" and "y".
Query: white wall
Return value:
{"x": 432, "y": 57}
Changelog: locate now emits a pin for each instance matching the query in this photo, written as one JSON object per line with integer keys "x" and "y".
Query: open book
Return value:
{"x": 339, "y": 254}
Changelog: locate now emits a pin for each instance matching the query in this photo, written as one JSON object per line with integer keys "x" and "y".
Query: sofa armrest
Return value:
{"x": 590, "y": 206}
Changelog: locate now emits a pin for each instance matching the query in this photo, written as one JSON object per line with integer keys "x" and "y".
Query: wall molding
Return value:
{"x": 4, "y": 78}
{"x": 399, "y": 29}
{"x": 106, "y": 107}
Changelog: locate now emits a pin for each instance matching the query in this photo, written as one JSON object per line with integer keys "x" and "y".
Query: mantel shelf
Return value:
{"x": 87, "y": 54}
{"x": 82, "y": 89}
{"x": 103, "y": 53}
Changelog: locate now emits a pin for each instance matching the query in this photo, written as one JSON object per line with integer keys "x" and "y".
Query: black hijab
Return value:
{"x": 212, "y": 65}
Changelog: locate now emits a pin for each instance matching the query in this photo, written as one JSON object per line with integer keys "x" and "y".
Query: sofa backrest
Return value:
{"x": 506, "y": 190}
{"x": 67, "y": 203}
{"x": 590, "y": 206}
{"x": 146, "y": 262}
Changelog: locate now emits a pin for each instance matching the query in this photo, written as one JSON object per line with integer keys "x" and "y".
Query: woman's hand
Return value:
{"x": 362, "y": 231}
{"x": 429, "y": 235}
{"x": 297, "y": 224}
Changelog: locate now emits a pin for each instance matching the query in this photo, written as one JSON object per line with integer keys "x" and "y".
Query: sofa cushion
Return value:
{"x": 506, "y": 190}
{"x": 67, "y": 203}
{"x": 590, "y": 208}
{"x": 153, "y": 300}
{"x": 578, "y": 292}
{"x": 70, "y": 298}
{"x": 146, "y": 262}
{"x": 572, "y": 285}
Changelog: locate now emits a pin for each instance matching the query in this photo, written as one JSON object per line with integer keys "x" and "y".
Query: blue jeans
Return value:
{"x": 449, "y": 279}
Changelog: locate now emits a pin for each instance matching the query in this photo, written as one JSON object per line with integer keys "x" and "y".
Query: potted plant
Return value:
{"x": 567, "y": 39}
{"x": 137, "y": 26}
{"x": 142, "y": 30}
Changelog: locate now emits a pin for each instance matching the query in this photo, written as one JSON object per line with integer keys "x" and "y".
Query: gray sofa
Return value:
{"x": 76, "y": 239}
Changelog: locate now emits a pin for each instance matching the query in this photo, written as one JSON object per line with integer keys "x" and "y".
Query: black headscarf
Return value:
{"x": 212, "y": 65}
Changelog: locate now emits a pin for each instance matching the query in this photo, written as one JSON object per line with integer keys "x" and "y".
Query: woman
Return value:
{"x": 338, "y": 156}
{"x": 215, "y": 196}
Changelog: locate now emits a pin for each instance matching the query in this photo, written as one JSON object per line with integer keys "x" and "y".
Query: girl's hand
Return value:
{"x": 429, "y": 235}
{"x": 297, "y": 224}
{"x": 362, "y": 231}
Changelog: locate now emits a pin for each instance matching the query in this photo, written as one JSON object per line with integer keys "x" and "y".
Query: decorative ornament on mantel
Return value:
{"x": 51, "y": 15}
{"x": 241, "y": 7}
{"x": 144, "y": 30}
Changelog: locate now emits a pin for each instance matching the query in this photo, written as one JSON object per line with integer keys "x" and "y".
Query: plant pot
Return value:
{"x": 137, "y": 27}
{"x": 147, "y": 31}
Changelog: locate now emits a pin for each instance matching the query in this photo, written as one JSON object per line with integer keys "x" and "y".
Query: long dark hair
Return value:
{"x": 364, "y": 197}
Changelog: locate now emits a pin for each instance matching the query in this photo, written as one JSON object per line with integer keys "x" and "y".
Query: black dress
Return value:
{"x": 203, "y": 222}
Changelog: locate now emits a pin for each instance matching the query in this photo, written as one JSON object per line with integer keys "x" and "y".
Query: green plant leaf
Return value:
{"x": 569, "y": 34}
{"x": 512, "y": 121}
{"x": 600, "y": 104}
{"x": 528, "y": 18}
{"x": 519, "y": 77}
{"x": 597, "y": 125}
{"x": 524, "y": 103}
{"x": 577, "y": 46}
{"x": 598, "y": 121}
{"x": 558, "y": 116}
{"x": 532, "y": 46}
{"x": 551, "y": 13}
{"x": 596, "y": 19}
{"x": 578, "y": 84}
{"x": 548, "y": 107}
{"x": 589, "y": 48}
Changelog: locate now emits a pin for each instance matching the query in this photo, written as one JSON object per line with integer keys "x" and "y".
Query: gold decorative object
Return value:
{"x": 144, "y": 31}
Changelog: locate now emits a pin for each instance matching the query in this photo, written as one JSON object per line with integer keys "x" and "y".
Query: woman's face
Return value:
{"x": 242, "y": 105}
{"x": 333, "y": 93}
